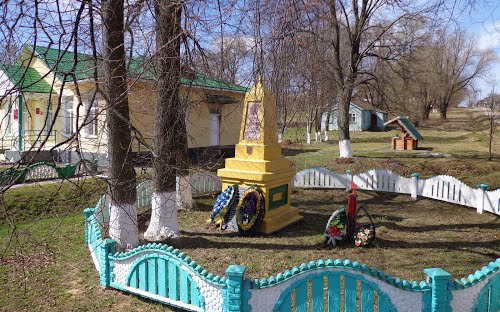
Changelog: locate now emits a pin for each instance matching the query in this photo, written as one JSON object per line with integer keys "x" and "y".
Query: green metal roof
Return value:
{"x": 26, "y": 79}
{"x": 61, "y": 62}
{"x": 207, "y": 82}
{"x": 406, "y": 124}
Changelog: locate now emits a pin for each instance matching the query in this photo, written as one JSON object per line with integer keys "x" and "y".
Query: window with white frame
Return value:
{"x": 68, "y": 118}
{"x": 352, "y": 118}
{"x": 92, "y": 122}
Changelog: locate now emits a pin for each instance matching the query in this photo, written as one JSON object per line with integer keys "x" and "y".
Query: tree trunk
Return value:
{"x": 170, "y": 137}
{"x": 345, "y": 149}
{"x": 123, "y": 210}
{"x": 183, "y": 188}
{"x": 308, "y": 133}
{"x": 443, "y": 110}
{"x": 426, "y": 110}
{"x": 327, "y": 125}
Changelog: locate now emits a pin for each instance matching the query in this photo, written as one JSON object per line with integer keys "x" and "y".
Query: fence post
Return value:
{"x": 414, "y": 189}
{"x": 87, "y": 212}
{"x": 480, "y": 202}
{"x": 439, "y": 280}
{"x": 234, "y": 298}
{"x": 351, "y": 179}
{"x": 107, "y": 247}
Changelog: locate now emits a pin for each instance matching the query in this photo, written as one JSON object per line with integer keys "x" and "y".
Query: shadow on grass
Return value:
{"x": 447, "y": 245}
{"x": 452, "y": 157}
{"x": 295, "y": 152}
{"x": 440, "y": 227}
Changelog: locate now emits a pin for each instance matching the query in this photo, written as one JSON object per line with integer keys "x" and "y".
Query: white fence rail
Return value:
{"x": 443, "y": 188}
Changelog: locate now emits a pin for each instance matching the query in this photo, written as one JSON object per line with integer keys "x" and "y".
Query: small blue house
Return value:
{"x": 362, "y": 116}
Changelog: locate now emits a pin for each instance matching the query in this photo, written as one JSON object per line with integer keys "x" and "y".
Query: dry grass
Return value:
{"x": 411, "y": 236}
{"x": 457, "y": 147}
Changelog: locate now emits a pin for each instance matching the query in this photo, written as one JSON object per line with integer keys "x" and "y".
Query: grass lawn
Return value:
{"x": 56, "y": 271}
{"x": 457, "y": 147}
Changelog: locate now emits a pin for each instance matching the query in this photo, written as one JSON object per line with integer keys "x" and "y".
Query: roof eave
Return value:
{"x": 149, "y": 80}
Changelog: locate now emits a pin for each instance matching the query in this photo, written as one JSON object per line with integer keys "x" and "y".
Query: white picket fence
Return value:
{"x": 204, "y": 183}
{"x": 443, "y": 188}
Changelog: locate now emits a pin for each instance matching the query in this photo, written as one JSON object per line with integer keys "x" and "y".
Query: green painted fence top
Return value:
{"x": 437, "y": 273}
{"x": 483, "y": 186}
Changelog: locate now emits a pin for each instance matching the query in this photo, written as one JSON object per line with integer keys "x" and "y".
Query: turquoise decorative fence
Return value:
{"x": 167, "y": 275}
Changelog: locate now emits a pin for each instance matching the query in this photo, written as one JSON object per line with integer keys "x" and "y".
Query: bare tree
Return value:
{"x": 457, "y": 62}
{"x": 492, "y": 111}
{"x": 170, "y": 139}
{"x": 356, "y": 33}
{"x": 123, "y": 211}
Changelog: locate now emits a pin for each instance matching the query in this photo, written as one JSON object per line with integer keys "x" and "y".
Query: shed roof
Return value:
{"x": 62, "y": 63}
{"x": 405, "y": 124}
{"x": 25, "y": 79}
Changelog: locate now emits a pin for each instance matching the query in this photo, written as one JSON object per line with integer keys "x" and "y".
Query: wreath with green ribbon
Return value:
{"x": 250, "y": 208}
{"x": 223, "y": 202}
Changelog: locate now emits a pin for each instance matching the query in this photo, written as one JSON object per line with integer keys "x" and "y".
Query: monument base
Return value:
{"x": 278, "y": 219}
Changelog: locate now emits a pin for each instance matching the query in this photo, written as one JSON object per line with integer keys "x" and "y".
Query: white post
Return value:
{"x": 480, "y": 202}
{"x": 326, "y": 135}
{"x": 414, "y": 189}
{"x": 351, "y": 179}
{"x": 280, "y": 137}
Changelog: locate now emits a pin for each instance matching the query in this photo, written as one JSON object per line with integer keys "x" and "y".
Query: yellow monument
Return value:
{"x": 258, "y": 160}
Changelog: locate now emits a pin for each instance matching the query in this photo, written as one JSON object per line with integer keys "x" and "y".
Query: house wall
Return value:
{"x": 363, "y": 119}
{"x": 381, "y": 118}
{"x": 142, "y": 101}
{"x": 198, "y": 123}
{"x": 32, "y": 120}
{"x": 355, "y": 126}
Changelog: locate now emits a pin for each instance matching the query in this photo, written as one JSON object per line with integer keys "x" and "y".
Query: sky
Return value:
{"x": 483, "y": 24}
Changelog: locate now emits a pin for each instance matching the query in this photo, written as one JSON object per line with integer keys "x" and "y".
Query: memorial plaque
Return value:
{"x": 253, "y": 122}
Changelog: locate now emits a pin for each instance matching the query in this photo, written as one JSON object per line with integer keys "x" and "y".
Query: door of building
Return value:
{"x": 214, "y": 129}
{"x": 373, "y": 121}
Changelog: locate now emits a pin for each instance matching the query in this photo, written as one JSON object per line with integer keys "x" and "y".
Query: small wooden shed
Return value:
{"x": 409, "y": 137}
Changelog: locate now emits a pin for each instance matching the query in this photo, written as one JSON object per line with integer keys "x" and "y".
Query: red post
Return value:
{"x": 351, "y": 206}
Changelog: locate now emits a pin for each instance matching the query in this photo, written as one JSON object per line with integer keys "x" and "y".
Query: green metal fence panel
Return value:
{"x": 317, "y": 291}
{"x": 334, "y": 293}
{"x": 162, "y": 273}
{"x": 301, "y": 298}
{"x": 349, "y": 294}
{"x": 173, "y": 287}
{"x": 367, "y": 297}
